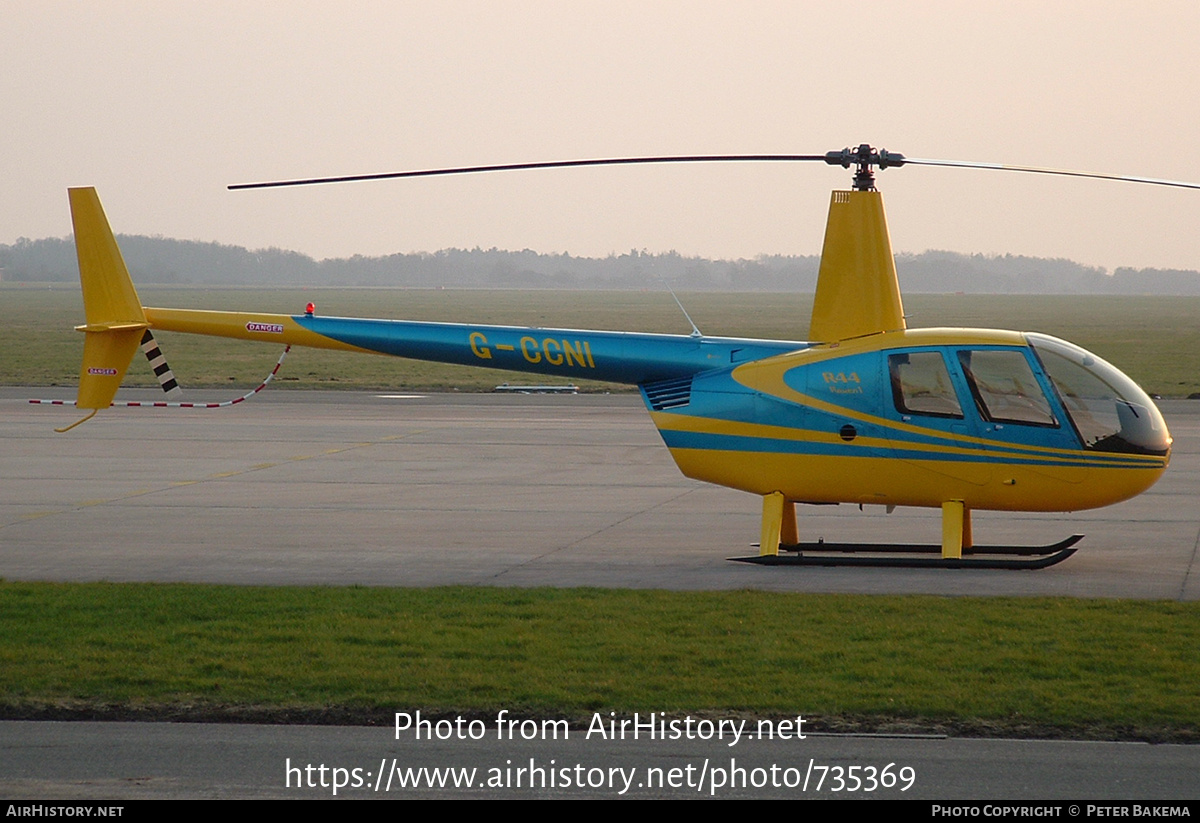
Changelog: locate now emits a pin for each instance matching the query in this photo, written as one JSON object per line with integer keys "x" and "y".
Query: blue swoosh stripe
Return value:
{"x": 740, "y": 443}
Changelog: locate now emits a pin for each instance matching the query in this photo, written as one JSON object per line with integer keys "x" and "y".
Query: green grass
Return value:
{"x": 1156, "y": 340}
{"x": 1089, "y": 668}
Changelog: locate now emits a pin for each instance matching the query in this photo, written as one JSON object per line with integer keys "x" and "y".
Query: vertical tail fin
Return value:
{"x": 115, "y": 320}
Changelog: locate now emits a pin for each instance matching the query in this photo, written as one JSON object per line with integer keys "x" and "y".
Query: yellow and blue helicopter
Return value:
{"x": 866, "y": 411}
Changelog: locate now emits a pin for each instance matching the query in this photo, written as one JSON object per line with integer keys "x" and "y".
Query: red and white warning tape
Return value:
{"x": 162, "y": 404}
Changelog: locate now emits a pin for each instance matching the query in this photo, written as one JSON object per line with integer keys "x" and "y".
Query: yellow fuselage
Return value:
{"x": 838, "y": 435}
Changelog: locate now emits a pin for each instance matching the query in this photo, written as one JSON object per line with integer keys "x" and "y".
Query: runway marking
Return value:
{"x": 346, "y": 448}
{"x": 598, "y": 531}
{"x": 1191, "y": 563}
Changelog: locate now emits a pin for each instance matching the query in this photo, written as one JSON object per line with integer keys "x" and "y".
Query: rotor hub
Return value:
{"x": 863, "y": 159}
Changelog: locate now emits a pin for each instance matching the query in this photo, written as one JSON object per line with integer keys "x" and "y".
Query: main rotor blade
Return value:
{"x": 561, "y": 164}
{"x": 962, "y": 164}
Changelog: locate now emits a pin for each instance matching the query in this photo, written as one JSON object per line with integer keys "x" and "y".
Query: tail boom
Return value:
{"x": 619, "y": 357}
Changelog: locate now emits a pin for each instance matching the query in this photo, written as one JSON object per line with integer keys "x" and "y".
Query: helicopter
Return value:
{"x": 866, "y": 411}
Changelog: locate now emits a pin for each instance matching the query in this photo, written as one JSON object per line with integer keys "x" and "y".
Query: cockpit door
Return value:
{"x": 933, "y": 426}
{"x": 1021, "y": 421}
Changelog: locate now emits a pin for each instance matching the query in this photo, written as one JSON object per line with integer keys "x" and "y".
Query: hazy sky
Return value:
{"x": 160, "y": 105}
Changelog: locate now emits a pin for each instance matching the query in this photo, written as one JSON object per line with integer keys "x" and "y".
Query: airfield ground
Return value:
{"x": 356, "y": 488}
{"x": 378, "y": 489}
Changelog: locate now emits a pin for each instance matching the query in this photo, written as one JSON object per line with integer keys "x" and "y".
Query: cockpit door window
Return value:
{"x": 1005, "y": 388}
{"x": 921, "y": 385}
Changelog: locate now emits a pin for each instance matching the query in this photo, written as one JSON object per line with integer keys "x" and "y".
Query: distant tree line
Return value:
{"x": 165, "y": 261}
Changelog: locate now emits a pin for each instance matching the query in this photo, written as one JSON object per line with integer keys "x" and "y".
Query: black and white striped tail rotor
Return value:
{"x": 158, "y": 363}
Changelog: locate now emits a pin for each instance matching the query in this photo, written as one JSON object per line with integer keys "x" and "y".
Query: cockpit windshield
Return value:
{"x": 1109, "y": 411}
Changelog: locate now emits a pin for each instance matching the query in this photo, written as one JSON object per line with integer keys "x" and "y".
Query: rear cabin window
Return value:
{"x": 1004, "y": 387}
{"x": 921, "y": 384}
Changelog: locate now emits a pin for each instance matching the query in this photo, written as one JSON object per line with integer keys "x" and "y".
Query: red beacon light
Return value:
{"x": 310, "y": 308}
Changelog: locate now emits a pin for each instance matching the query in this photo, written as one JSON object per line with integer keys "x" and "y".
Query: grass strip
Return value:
{"x": 1155, "y": 340}
{"x": 1087, "y": 668}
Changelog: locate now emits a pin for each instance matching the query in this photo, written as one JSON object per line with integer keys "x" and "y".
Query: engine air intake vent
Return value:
{"x": 668, "y": 394}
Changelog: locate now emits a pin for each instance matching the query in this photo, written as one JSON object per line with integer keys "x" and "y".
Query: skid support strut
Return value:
{"x": 772, "y": 524}
{"x": 780, "y": 545}
{"x": 952, "y": 528}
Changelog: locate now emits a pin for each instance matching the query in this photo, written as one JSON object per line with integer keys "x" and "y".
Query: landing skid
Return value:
{"x": 833, "y": 554}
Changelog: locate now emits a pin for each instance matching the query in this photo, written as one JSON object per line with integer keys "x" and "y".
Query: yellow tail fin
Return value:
{"x": 115, "y": 320}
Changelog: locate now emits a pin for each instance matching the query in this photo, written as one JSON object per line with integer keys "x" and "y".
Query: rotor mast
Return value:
{"x": 858, "y": 293}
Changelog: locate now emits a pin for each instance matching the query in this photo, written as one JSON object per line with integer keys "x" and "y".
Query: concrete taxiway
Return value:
{"x": 182, "y": 760}
{"x": 384, "y": 489}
